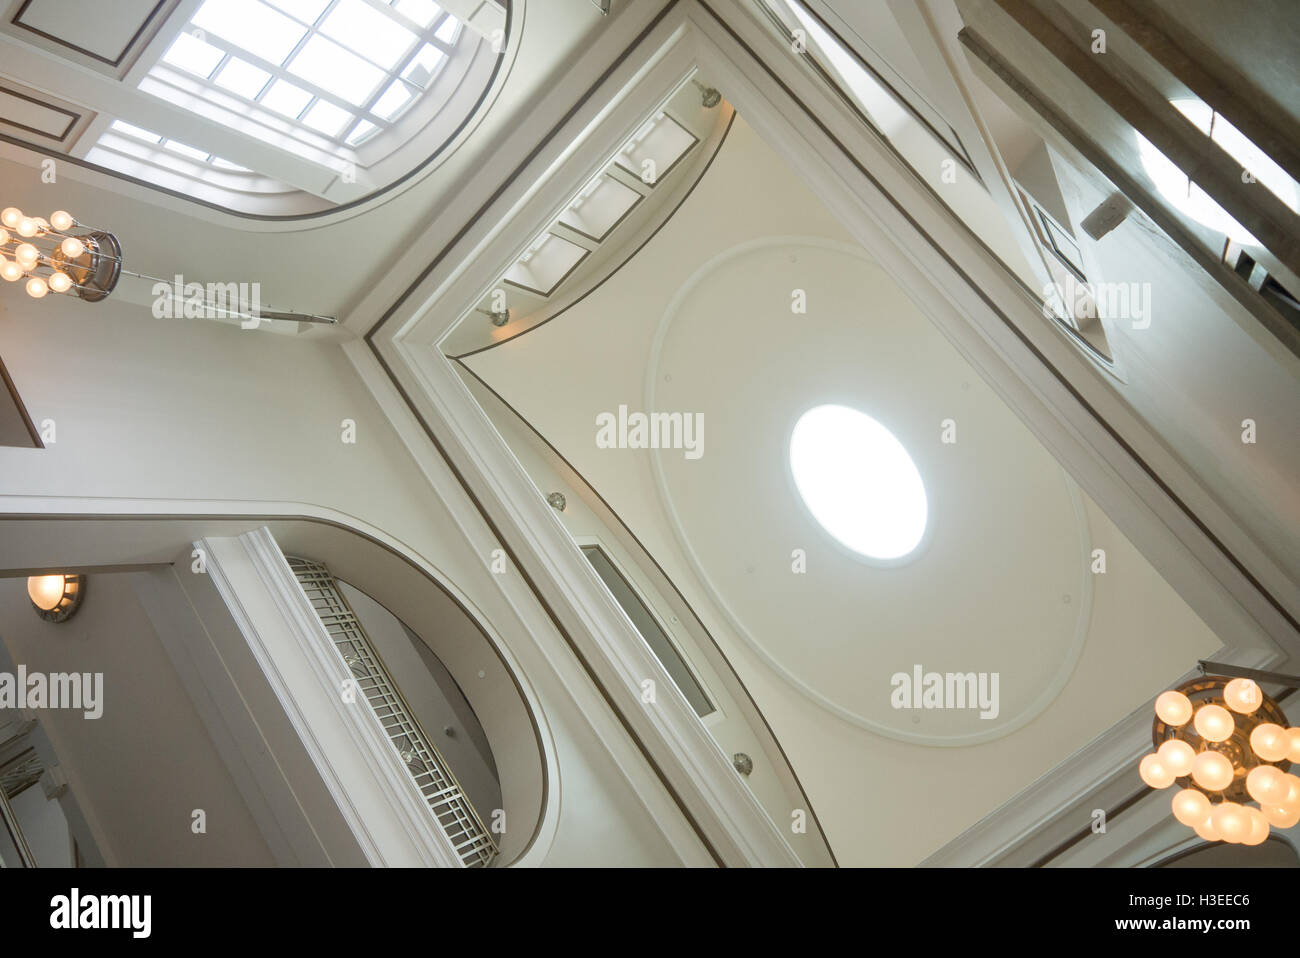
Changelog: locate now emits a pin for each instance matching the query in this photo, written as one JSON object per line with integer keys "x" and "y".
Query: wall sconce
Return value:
{"x": 56, "y": 598}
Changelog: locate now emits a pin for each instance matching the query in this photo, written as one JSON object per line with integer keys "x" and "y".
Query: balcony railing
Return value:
{"x": 446, "y": 799}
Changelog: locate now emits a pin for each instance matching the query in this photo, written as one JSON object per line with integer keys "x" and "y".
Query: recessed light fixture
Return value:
{"x": 858, "y": 482}
{"x": 56, "y": 597}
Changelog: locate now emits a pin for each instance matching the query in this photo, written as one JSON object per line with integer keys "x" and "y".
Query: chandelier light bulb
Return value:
{"x": 1293, "y": 753}
{"x": 1243, "y": 695}
{"x": 1258, "y": 826}
{"x": 27, "y": 255}
{"x": 28, "y": 227}
{"x": 60, "y": 282}
{"x": 4, "y": 237}
{"x": 1207, "y": 830}
{"x": 1267, "y": 785}
{"x": 1292, "y": 799}
{"x": 1154, "y": 772}
{"x": 1190, "y": 807}
{"x": 61, "y": 220}
{"x": 11, "y": 271}
{"x": 1214, "y": 723}
{"x": 1212, "y": 771}
{"x": 1231, "y": 821}
{"x": 37, "y": 287}
{"x": 72, "y": 247}
{"x": 11, "y": 217}
{"x": 1177, "y": 756}
{"x": 1270, "y": 742}
{"x": 1173, "y": 708}
{"x": 1280, "y": 817}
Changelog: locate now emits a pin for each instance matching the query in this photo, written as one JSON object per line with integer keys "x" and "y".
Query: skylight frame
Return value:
{"x": 362, "y": 114}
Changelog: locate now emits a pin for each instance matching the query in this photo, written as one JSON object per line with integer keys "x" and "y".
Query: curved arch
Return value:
{"x": 374, "y": 562}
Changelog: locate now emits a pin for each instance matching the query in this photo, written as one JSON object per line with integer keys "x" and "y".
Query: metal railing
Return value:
{"x": 430, "y": 771}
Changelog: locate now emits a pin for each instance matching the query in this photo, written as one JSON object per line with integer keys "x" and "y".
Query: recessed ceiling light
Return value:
{"x": 858, "y": 482}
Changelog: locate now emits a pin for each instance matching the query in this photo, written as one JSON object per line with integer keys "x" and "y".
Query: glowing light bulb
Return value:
{"x": 1154, "y": 772}
{"x": 42, "y": 225}
{"x": 1173, "y": 708}
{"x": 11, "y": 271}
{"x": 4, "y": 237}
{"x": 1267, "y": 785}
{"x": 1280, "y": 817}
{"x": 1177, "y": 756}
{"x": 1191, "y": 807}
{"x": 1207, "y": 830}
{"x": 61, "y": 220}
{"x": 37, "y": 287}
{"x": 60, "y": 282}
{"x": 1293, "y": 753}
{"x": 1214, "y": 723}
{"x": 27, "y": 255}
{"x": 1212, "y": 771}
{"x": 1243, "y": 695}
{"x": 46, "y": 591}
{"x": 1270, "y": 742}
{"x": 72, "y": 247}
{"x": 1292, "y": 799}
{"x": 27, "y": 227}
{"x": 11, "y": 217}
{"x": 1258, "y": 826}
{"x": 1231, "y": 821}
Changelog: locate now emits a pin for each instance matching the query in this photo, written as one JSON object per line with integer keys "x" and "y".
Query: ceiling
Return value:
{"x": 700, "y": 321}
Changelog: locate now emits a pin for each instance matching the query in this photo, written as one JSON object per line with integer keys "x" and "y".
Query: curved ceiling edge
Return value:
{"x": 546, "y": 827}
{"x": 1083, "y": 616}
{"x": 473, "y": 117}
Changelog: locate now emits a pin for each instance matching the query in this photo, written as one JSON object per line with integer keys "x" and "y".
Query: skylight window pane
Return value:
{"x": 123, "y": 127}
{"x": 251, "y": 25}
{"x": 221, "y": 164}
{"x": 240, "y": 76}
{"x": 327, "y": 118}
{"x": 308, "y": 11}
{"x": 367, "y": 31}
{"x": 361, "y": 133}
{"x": 423, "y": 66}
{"x": 447, "y": 32}
{"x": 188, "y": 151}
{"x": 286, "y": 99}
{"x": 421, "y": 11}
{"x": 190, "y": 53}
{"x": 334, "y": 69}
{"x": 393, "y": 101}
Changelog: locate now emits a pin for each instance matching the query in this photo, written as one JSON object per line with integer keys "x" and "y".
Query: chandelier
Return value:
{"x": 58, "y": 255}
{"x": 1226, "y": 744}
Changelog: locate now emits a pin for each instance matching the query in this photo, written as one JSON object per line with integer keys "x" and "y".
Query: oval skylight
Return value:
{"x": 858, "y": 482}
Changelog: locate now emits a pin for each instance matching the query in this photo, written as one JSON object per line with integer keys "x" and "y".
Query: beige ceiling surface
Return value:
{"x": 987, "y": 594}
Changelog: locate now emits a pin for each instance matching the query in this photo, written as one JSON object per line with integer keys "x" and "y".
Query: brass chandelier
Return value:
{"x": 1227, "y": 744}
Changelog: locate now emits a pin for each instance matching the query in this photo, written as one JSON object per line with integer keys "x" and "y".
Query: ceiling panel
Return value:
{"x": 102, "y": 31}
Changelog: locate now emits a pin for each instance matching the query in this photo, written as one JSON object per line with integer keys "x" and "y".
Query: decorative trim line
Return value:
{"x": 116, "y": 62}
{"x": 72, "y": 121}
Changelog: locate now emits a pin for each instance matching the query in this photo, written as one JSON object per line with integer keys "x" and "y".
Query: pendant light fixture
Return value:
{"x": 1226, "y": 744}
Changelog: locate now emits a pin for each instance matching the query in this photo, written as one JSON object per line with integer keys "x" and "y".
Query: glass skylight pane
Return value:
{"x": 251, "y": 25}
{"x": 286, "y": 99}
{"x": 361, "y": 133}
{"x": 327, "y": 118}
{"x": 334, "y": 69}
{"x": 448, "y": 30}
{"x": 183, "y": 150}
{"x": 221, "y": 164}
{"x": 423, "y": 66}
{"x": 240, "y": 76}
{"x": 305, "y": 10}
{"x": 364, "y": 29}
{"x": 394, "y": 99}
{"x": 190, "y": 53}
{"x": 421, "y": 11}
{"x": 122, "y": 126}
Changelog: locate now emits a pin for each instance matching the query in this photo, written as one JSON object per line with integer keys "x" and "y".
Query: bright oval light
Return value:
{"x": 858, "y": 481}
{"x": 1173, "y": 707}
{"x": 46, "y": 591}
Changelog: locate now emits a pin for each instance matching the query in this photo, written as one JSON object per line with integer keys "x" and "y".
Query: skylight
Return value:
{"x": 342, "y": 68}
{"x": 858, "y": 482}
{"x": 1177, "y": 187}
